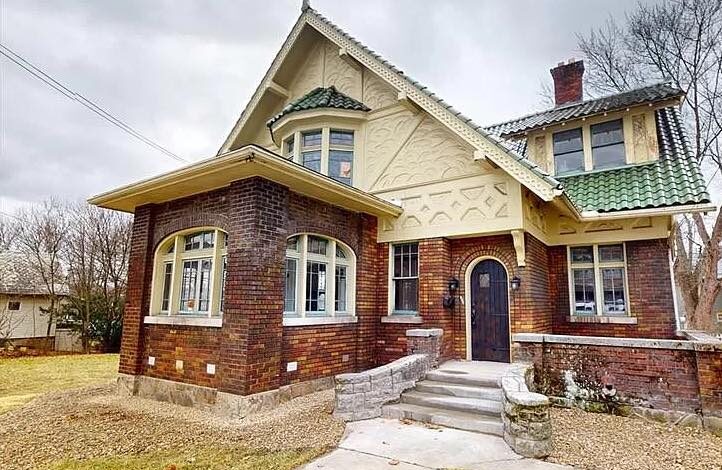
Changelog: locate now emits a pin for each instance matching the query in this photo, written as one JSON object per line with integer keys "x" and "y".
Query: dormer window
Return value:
{"x": 608, "y": 145}
{"x": 568, "y": 151}
{"x": 327, "y": 150}
{"x": 311, "y": 150}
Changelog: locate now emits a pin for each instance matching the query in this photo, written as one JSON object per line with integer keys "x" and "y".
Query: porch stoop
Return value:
{"x": 460, "y": 394}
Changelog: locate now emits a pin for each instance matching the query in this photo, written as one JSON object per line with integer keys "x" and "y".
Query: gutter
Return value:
{"x": 672, "y": 210}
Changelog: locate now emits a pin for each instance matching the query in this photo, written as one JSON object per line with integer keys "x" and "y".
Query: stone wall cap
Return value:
{"x": 527, "y": 398}
{"x": 650, "y": 343}
{"x": 424, "y": 332}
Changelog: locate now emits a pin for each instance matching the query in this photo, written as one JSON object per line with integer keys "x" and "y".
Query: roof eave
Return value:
{"x": 215, "y": 172}
{"x": 652, "y": 211}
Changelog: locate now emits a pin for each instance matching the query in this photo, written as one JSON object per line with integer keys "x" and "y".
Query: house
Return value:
{"x": 24, "y": 301}
{"x": 349, "y": 204}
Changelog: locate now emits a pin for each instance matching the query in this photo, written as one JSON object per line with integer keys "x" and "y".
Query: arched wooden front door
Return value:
{"x": 489, "y": 312}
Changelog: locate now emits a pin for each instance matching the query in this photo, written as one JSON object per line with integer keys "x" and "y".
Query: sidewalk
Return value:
{"x": 390, "y": 444}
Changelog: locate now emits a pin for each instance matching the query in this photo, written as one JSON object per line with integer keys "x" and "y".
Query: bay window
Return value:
{"x": 190, "y": 273}
{"x": 598, "y": 280}
{"x": 319, "y": 278}
{"x": 326, "y": 150}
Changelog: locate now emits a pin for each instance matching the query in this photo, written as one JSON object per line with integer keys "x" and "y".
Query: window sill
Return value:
{"x": 409, "y": 319}
{"x": 308, "y": 321}
{"x": 215, "y": 322}
{"x": 602, "y": 319}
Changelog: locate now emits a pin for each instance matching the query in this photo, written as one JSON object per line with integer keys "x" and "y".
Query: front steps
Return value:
{"x": 460, "y": 394}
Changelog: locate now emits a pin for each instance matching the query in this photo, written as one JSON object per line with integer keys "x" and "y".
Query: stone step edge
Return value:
{"x": 479, "y": 406}
{"x": 468, "y": 391}
{"x": 482, "y": 424}
{"x": 465, "y": 379}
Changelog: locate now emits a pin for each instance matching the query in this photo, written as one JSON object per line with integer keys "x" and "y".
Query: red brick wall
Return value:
{"x": 320, "y": 351}
{"x": 252, "y": 348}
{"x": 195, "y": 346}
{"x": 656, "y": 378}
{"x": 709, "y": 370}
{"x": 650, "y": 293}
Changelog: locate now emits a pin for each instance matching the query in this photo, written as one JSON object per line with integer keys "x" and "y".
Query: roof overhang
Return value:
{"x": 668, "y": 210}
{"x": 247, "y": 162}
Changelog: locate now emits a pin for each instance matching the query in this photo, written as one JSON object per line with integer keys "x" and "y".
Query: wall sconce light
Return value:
{"x": 515, "y": 283}
{"x": 449, "y": 300}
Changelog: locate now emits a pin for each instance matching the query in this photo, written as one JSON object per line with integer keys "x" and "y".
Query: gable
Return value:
{"x": 359, "y": 72}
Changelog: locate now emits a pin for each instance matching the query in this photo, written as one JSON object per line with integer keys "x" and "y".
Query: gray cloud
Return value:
{"x": 181, "y": 72}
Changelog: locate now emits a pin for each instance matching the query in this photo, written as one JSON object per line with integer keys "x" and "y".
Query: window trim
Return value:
{"x": 325, "y": 147}
{"x": 392, "y": 312}
{"x": 554, "y": 155}
{"x": 176, "y": 258}
{"x": 300, "y": 316}
{"x": 622, "y": 142}
{"x": 597, "y": 266}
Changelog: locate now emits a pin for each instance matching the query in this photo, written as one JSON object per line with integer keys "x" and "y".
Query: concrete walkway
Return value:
{"x": 390, "y": 444}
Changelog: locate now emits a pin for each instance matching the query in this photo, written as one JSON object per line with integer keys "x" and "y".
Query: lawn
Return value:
{"x": 27, "y": 377}
{"x": 63, "y": 413}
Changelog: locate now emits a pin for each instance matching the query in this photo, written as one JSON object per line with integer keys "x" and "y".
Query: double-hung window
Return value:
{"x": 598, "y": 280}
{"x": 608, "y": 144}
{"x": 311, "y": 149}
{"x": 568, "y": 151}
{"x": 405, "y": 278}
{"x": 319, "y": 277}
{"x": 190, "y": 274}
{"x": 340, "y": 156}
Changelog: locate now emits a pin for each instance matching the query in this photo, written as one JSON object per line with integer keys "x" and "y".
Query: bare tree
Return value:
{"x": 41, "y": 237}
{"x": 9, "y": 321}
{"x": 678, "y": 41}
{"x": 8, "y": 233}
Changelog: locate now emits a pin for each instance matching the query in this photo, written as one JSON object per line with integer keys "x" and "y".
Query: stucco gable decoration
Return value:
{"x": 409, "y": 91}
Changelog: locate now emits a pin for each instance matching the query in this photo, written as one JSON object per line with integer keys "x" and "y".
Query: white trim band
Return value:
{"x": 178, "y": 320}
{"x": 603, "y": 341}
{"x": 308, "y": 321}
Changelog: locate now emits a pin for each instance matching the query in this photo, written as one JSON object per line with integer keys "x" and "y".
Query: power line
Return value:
{"x": 70, "y": 94}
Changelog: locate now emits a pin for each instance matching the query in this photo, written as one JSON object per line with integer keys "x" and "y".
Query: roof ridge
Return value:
{"x": 583, "y": 102}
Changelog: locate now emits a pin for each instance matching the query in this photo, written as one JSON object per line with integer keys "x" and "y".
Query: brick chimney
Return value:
{"x": 568, "y": 81}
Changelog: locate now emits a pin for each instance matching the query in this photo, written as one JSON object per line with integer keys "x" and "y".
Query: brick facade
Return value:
{"x": 252, "y": 349}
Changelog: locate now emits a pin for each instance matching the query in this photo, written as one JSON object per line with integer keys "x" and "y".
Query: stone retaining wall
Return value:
{"x": 676, "y": 381}
{"x": 361, "y": 395}
{"x": 525, "y": 415}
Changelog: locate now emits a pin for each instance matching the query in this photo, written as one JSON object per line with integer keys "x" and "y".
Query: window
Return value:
{"x": 13, "y": 305}
{"x": 340, "y": 156}
{"x": 405, "y": 278}
{"x": 311, "y": 150}
{"x": 568, "y": 151}
{"x": 328, "y": 151}
{"x": 598, "y": 280}
{"x": 289, "y": 147}
{"x": 608, "y": 144}
{"x": 309, "y": 290}
{"x": 190, "y": 274}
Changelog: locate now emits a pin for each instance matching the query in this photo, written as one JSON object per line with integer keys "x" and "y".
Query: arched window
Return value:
{"x": 320, "y": 278}
{"x": 190, "y": 273}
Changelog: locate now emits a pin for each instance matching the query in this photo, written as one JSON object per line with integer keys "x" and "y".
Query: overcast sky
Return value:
{"x": 181, "y": 72}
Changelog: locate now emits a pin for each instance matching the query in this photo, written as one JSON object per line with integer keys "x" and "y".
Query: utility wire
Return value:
{"x": 70, "y": 94}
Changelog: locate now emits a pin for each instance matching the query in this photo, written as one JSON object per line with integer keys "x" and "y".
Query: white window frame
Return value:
{"x": 177, "y": 258}
{"x": 597, "y": 265}
{"x": 325, "y": 147}
{"x": 329, "y": 315}
{"x": 392, "y": 285}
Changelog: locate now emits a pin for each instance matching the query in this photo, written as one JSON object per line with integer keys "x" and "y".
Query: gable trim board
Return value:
{"x": 246, "y": 162}
{"x": 527, "y": 173}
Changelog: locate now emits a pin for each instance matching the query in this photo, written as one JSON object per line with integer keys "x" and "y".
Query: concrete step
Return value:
{"x": 449, "y": 418}
{"x": 447, "y": 402}
{"x": 459, "y": 390}
{"x": 479, "y": 379}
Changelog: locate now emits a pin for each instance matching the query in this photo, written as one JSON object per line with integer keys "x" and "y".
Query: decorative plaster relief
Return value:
{"x": 644, "y": 142}
{"x": 540, "y": 152}
{"x": 339, "y": 73}
{"x": 310, "y": 75}
{"x": 457, "y": 207}
{"x": 431, "y": 154}
{"x": 384, "y": 137}
{"x": 376, "y": 93}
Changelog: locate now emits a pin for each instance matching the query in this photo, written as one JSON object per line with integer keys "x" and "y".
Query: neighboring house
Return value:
{"x": 349, "y": 204}
{"x": 23, "y": 299}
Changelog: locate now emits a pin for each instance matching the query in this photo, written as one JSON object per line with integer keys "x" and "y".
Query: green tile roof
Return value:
{"x": 675, "y": 179}
{"x": 320, "y": 98}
